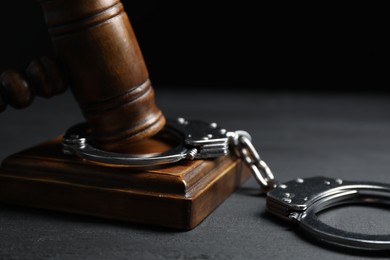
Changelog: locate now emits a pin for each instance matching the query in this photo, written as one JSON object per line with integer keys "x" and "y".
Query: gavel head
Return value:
{"x": 106, "y": 71}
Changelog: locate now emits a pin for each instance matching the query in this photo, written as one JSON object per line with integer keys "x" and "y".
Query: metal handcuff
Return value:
{"x": 298, "y": 201}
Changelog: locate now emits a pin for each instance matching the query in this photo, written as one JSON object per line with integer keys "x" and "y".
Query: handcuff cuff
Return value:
{"x": 298, "y": 201}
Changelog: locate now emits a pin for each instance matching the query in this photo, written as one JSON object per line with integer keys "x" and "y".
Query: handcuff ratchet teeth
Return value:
{"x": 299, "y": 200}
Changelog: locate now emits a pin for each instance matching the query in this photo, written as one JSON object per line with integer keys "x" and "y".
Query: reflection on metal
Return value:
{"x": 300, "y": 201}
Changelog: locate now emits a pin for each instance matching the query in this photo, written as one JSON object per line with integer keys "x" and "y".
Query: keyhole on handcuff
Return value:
{"x": 371, "y": 219}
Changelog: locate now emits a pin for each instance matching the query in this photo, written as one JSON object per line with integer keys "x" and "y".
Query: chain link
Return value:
{"x": 244, "y": 149}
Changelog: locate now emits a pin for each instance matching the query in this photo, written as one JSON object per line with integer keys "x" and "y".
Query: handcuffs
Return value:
{"x": 298, "y": 201}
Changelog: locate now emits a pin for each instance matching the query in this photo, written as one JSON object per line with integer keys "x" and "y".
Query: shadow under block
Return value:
{"x": 179, "y": 196}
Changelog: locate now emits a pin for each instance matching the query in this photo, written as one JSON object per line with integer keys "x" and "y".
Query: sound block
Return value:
{"x": 179, "y": 196}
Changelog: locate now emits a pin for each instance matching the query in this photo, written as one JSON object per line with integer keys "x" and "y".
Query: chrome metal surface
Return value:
{"x": 300, "y": 201}
{"x": 196, "y": 140}
{"x": 242, "y": 143}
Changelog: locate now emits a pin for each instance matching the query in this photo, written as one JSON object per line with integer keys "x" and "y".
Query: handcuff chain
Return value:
{"x": 245, "y": 150}
{"x": 197, "y": 140}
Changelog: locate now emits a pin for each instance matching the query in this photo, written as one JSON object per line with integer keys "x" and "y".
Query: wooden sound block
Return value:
{"x": 179, "y": 196}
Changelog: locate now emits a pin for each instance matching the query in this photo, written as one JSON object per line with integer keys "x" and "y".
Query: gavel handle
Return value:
{"x": 43, "y": 77}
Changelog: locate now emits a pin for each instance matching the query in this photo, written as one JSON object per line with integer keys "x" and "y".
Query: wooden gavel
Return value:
{"x": 99, "y": 57}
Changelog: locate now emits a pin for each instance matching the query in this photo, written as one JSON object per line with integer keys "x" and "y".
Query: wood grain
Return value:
{"x": 43, "y": 77}
{"x": 179, "y": 196}
{"x": 108, "y": 75}
{"x": 100, "y": 59}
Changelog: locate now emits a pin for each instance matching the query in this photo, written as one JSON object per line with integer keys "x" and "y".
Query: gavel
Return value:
{"x": 99, "y": 58}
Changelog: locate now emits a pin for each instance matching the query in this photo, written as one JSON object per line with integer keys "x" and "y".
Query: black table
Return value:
{"x": 299, "y": 135}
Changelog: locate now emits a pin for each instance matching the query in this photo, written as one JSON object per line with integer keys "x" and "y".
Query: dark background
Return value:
{"x": 313, "y": 45}
{"x": 330, "y": 47}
